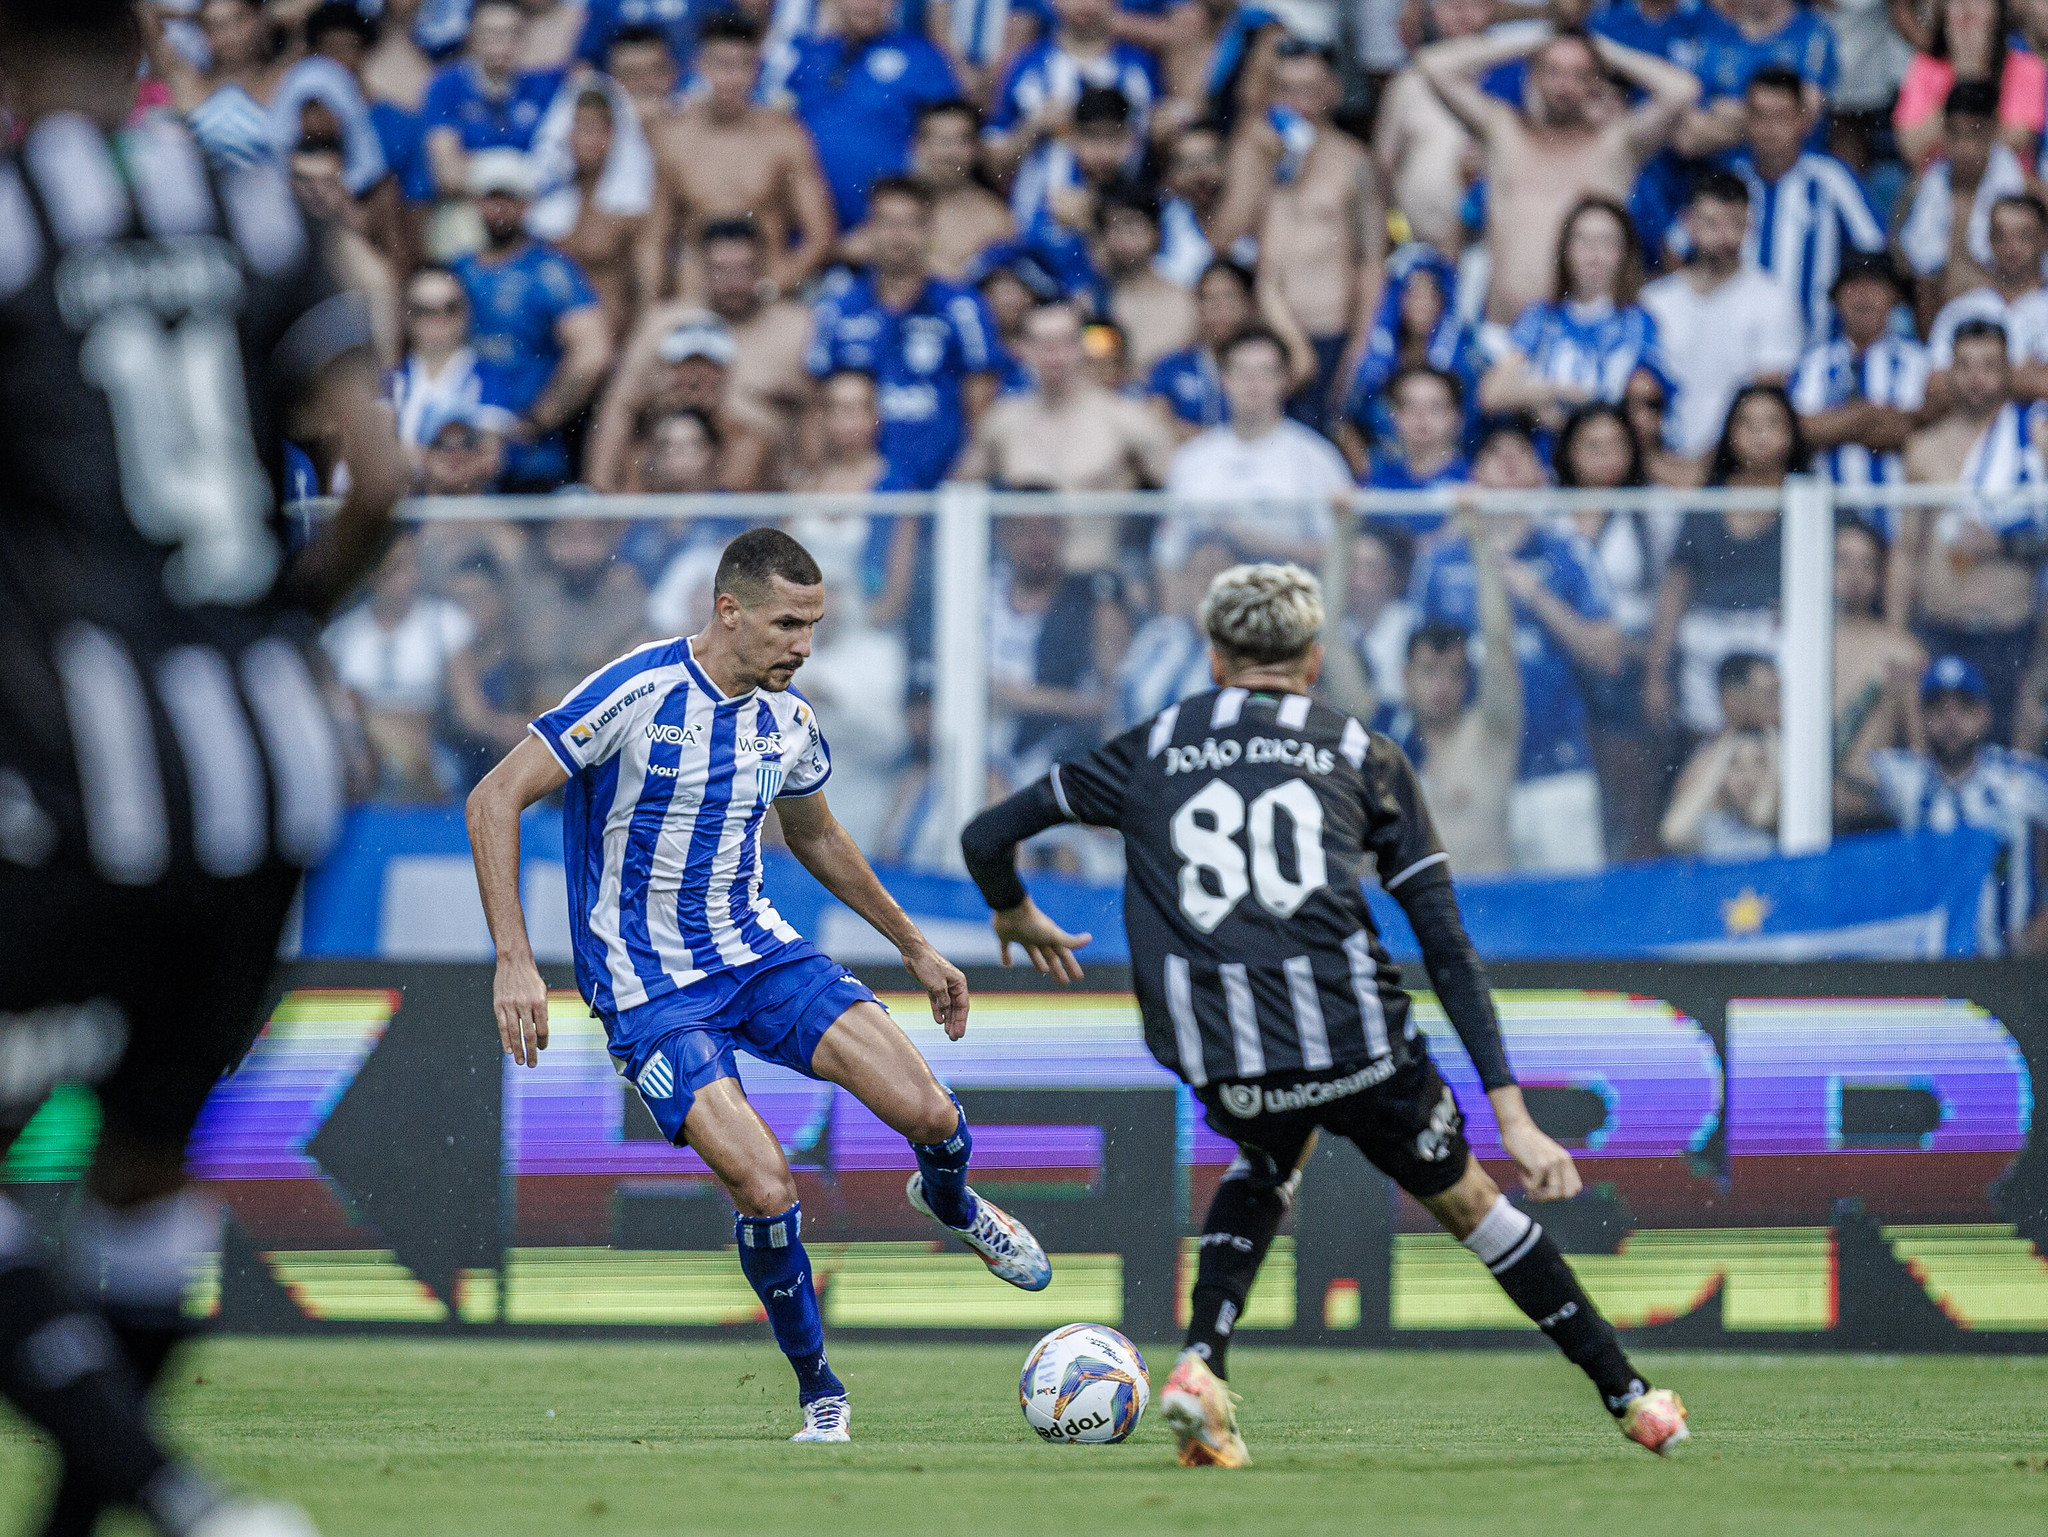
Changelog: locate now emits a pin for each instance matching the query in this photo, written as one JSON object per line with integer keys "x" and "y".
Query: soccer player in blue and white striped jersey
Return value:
{"x": 672, "y": 757}
{"x": 1858, "y": 395}
{"x": 1805, "y": 209}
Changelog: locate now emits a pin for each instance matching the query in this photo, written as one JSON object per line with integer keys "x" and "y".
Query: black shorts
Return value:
{"x": 151, "y": 993}
{"x": 1406, "y": 1121}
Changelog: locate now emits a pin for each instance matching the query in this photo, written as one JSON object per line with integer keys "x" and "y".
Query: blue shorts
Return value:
{"x": 777, "y": 1011}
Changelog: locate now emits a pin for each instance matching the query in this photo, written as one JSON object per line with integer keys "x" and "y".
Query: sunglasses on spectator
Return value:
{"x": 448, "y": 310}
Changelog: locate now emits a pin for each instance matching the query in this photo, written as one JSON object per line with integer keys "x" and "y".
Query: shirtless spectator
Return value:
{"x": 2015, "y": 300}
{"x": 317, "y": 169}
{"x": 1721, "y": 323}
{"x": 599, "y": 241}
{"x": 1156, "y": 314}
{"x": 767, "y": 387}
{"x": 1069, "y": 434}
{"x": 723, "y": 157}
{"x": 644, "y": 65}
{"x": 1425, "y": 154}
{"x": 1877, "y": 665}
{"x": 1465, "y": 747}
{"x": 967, "y": 218}
{"x": 396, "y": 69}
{"x": 1313, "y": 197}
{"x": 1953, "y": 576}
{"x": 1565, "y": 147}
{"x": 688, "y": 366}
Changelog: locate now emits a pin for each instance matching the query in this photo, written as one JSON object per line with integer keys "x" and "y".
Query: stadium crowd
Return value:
{"x": 1234, "y": 249}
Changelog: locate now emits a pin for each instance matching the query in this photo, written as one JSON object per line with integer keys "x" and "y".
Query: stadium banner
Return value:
{"x": 1782, "y": 1155}
{"x": 401, "y": 887}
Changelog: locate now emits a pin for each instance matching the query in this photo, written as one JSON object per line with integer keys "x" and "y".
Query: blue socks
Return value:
{"x": 776, "y": 1266}
{"x": 944, "y": 1166}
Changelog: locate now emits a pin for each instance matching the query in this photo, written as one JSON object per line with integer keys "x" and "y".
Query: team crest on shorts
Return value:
{"x": 657, "y": 1079}
{"x": 1240, "y": 1099}
{"x": 1434, "y": 1144}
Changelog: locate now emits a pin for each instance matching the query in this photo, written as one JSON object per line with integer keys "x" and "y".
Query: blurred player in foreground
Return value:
{"x": 673, "y": 755}
{"x": 1248, "y": 813}
{"x": 167, "y": 768}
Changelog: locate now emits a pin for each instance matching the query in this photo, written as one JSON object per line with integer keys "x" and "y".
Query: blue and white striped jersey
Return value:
{"x": 2004, "y": 793}
{"x": 1596, "y": 347}
{"x": 1800, "y": 224}
{"x": 1889, "y": 372}
{"x": 661, "y": 828}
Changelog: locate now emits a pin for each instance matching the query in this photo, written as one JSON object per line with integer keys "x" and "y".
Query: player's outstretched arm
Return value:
{"x": 519, "y": 997}
{"x": 989, "y": 843}
{"x": 1461, "y": 987}
{"x": 828, "y": 851}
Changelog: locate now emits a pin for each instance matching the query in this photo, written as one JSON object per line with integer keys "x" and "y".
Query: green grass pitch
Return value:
{"x": 438, "y": 1439}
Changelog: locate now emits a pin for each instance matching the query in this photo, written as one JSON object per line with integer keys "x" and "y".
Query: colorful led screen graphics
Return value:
{"x": 1851, "y": 1169}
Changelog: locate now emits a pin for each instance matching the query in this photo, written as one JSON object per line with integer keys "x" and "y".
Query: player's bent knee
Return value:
{"x": 936, "y": 1119}
{"x": 764, "y": 1195}
{"x": 1462, "y": 1207}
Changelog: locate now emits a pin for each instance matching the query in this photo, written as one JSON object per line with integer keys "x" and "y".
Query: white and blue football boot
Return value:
{"x": 827, "y": 1419}
{"x": 1004, "y": 1244}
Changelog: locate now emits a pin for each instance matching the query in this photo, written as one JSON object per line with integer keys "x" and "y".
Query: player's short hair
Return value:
{"x": 729, "y": 27}
{"x": 1236, "y": 271}
{"x": 1739, "y": 669}
{"x": 902, "y": 186}
{"x": 1102, "y": 104}
{"x": 1404, "y": 376}
{"x": 1439, "y": 635}
{"x": 1263, "y": 614}
{"x": 1776, "y": 77}
{"x": 758, "y": 556}
{"x": 2025, "y": 200}
{"x": 952, "y": 106}
{"x": 1721, "y": 187}
{"x": 742, "y": 227}
{"x": 1980, "y": 330}
{"x": 1251, "y": 335}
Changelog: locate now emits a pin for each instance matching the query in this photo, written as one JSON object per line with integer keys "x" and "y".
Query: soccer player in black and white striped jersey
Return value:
{"x": 167, "y": 767}
{"x": 1249, "y": 814}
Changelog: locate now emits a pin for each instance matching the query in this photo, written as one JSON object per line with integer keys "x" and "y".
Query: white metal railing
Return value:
{"x": 964, "y": 514}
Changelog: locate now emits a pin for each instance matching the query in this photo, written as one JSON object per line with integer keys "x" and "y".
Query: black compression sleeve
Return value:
{"x": 990, "y": 841}
{"x": 1455, "y": 972}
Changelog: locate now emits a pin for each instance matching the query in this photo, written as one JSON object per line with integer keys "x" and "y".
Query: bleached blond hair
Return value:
{"x": 1265, "y": 614}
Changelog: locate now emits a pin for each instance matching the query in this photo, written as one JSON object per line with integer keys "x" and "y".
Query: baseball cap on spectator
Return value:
{"x": 705, "y": 336}
{"x": 473, "y": 415}
{"x": 1020, "y": 262}
{"x": 506, "y": 171}
{"x": 1954, "y": 675}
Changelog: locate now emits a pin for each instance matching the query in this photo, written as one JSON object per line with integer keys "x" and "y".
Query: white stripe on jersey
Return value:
{"x": 1244, "y": 1020}
{"x": 1797, "y": 230}
{"x": 74, "y": 171}
{"x": 1293, "y": 712}
{"x": 1308, "y": 1013}
{"x": 1187, "y": 1030}
{"x": 1229, "y": 706}
{"x": 1364, "y": 982}
{"x": 125, "y": 822}
{"x": 230, "y": 824}
{"x": 1354, "y": 743}
{"x": 672, "y": 780}
{"x": 1162, "y": 731}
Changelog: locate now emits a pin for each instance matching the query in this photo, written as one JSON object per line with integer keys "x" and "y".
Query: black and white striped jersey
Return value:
{"x": 1248, "y": 823}
{"x": 157, "y": 708}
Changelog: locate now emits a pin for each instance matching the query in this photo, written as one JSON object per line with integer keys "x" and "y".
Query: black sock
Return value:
{"x": 60, "y": 1366}
{"x": 1244, "y": 1216}
{"x": 1532, "y": 1271}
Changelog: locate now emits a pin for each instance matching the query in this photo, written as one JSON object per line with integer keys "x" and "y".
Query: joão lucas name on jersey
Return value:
{"x": 1213, "y": 754}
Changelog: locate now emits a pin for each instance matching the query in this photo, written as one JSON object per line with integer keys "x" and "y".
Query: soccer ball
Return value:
{"x": 1084, "y": 1383}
